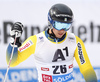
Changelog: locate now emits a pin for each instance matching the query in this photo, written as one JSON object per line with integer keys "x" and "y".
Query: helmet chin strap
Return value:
{"x": 52, "y": 35}
{"x": 50, "y": 27}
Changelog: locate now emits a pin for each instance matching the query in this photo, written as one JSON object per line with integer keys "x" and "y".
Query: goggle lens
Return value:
{"x": 59, "y": 25}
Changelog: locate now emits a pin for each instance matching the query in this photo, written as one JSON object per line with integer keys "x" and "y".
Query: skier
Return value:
{"x": 54, "y": 49}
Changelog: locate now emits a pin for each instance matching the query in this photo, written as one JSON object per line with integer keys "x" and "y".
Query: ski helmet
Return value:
{"x": 60, "y": 17}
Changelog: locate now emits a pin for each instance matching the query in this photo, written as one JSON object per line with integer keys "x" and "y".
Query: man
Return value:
{"x": 53, "y": 49}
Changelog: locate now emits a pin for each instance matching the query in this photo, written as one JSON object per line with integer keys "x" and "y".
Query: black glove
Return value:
{"x": 16, "y": 30}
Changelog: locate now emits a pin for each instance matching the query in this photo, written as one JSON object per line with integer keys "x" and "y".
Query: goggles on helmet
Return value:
{"x": 59, "y": 25}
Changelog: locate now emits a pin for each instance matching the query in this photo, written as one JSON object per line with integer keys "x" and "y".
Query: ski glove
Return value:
{"x": 16, "y": 30}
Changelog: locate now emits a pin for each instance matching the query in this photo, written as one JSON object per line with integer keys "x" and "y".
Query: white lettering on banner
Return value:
{"x": 20, "y": 75}
{"x": 25, "y": 46}
{"x": 1, "y": 76}
{"x": 15, "y": 76}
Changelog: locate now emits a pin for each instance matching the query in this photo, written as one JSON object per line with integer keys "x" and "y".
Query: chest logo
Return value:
{"x": 59, "y": 54}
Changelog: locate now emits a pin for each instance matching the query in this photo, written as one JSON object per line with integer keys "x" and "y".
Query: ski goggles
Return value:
{"x": 59, "y": 25}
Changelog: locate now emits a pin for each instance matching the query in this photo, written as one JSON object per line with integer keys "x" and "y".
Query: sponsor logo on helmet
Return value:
{"x": 80, "y": 53}
{"x": 25, "y": 46}
{"x": 63, "y": 15}
{"x": 65, "y": 19}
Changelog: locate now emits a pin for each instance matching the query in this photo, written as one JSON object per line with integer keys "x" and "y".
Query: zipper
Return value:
{"x": 56, "y": 41}
{"x": 56, "y": 44}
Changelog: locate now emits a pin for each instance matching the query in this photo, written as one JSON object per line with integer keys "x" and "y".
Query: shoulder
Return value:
{"x": 71, "y": 36}
{"x": 34, "y": 37}
{"x": 40, "y": 34}
{"x": 78, "y": 40}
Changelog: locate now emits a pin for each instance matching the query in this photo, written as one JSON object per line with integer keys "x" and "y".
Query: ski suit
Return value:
{"x": 54, "y": 57}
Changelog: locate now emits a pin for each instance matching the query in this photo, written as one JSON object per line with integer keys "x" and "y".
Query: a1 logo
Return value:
{"x": 59, "y": 55}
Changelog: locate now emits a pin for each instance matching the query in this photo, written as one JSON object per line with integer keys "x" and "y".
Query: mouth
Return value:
{"x": 60, "y": 34}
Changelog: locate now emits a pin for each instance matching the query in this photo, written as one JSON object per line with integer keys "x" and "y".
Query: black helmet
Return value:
{"x": 62, "y": 14}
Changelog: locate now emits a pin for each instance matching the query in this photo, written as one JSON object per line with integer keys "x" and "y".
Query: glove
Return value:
{"x": 16, "y": 31}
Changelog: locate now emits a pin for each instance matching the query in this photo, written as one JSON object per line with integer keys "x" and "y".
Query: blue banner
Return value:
{"x": 30, "y": 75}
{"x": 19, "y": 75}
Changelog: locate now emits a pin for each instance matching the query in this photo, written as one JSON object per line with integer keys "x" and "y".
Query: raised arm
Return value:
{"x": 83, "y": 61}
{"x": 21, "y": 52}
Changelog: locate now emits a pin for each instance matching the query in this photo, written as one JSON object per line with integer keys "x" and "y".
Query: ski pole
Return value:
{"x": 10, "y": 58}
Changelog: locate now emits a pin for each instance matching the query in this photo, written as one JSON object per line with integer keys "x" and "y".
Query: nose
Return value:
{"x": 62, "y": 30}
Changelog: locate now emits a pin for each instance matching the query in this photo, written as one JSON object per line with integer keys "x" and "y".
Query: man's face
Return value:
{"x": 59, "y": 33}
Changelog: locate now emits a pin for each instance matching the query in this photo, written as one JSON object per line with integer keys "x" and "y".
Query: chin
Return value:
{"x": 59, "y": 37}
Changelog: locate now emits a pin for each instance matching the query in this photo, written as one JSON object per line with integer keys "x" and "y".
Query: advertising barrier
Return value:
{"x": 30, "y": 75}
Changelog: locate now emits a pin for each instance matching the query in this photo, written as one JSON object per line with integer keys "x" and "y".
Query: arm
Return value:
{"x": 83, "y": 61}
{"x": 21, "y": 52}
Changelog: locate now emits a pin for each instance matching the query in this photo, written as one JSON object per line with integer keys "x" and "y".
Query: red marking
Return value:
{"x": 46, "y": 78}
{"x": 44, "y": 69}
{"x": 25, "y": 46}
{"x": 70, "y": 66}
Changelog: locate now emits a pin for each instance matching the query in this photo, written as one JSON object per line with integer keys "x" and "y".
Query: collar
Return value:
{"x": 54, "y": 39}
